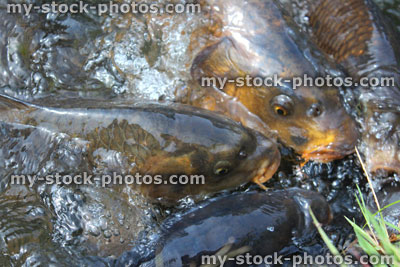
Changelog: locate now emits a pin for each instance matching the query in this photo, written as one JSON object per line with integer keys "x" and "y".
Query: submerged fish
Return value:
{"x": 254, "y": 38}
{"x": 156, "y": 139}
{"x": 25, "y": 228}
{"x": 359, "y": 37}
{"x": 258, "y": 223}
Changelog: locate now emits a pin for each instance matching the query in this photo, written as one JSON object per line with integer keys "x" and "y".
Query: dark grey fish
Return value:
{"x": 259, "y": 223}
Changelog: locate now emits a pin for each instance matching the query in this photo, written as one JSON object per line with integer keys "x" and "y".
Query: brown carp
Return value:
{"x": 155, "y": 139}
{"x": 359, "y": 37}
{"x": 254, "y": 38}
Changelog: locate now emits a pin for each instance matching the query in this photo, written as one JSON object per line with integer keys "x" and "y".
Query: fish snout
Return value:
{"x": 383, "y": 163}
{"x": 347, "y": 138}
{"x": 266, "y": 148}
{"x": 346, "y": 133}
{"x": 338, "y": 140}
{"x": 269, "y": 157}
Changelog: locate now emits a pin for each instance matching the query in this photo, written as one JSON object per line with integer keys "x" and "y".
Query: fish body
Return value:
{"x": 255, "y": 38}
{"x": 258, "y": 223}
{"x": 360, "y": 38}
{"x": 155, "y": 139}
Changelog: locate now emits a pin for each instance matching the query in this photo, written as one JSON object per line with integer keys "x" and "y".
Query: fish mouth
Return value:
{"x": 386, "y": 168}
{"x": 266, "y": 170}
{"x": 326, "y": 154}
{"x": 383, "y": 164}
{"x": 332, "y": 144}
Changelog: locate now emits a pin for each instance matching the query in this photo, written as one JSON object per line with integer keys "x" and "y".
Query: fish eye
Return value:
{"x": 221, "y": 171}
{"x": 315, "y": 110}
{"x": 280, "y": 111}
{"x": 282, "y": 105}
{"x": 242, "y": 154}
{"x": 222, "y": 168}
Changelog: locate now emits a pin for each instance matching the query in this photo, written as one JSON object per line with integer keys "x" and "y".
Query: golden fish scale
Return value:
{"x": 130, "y": 139}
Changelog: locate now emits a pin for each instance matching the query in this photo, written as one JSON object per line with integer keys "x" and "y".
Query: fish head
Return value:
{"x": 220, "y": 154}
{"x": 380, "y": 142}
{"x": 331, "y": 132}
{"x": 310, "y": 120}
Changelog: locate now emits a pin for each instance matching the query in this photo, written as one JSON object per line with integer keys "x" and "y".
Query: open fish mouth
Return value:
{"x": 266, "y": 171}
{"x": 326, "y": 154}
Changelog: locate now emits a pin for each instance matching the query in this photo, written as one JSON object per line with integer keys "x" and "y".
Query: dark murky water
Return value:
{"x": 90, "y": 56}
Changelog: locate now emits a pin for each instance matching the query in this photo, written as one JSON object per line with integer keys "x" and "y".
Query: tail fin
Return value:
{"x": 8, "y": 102}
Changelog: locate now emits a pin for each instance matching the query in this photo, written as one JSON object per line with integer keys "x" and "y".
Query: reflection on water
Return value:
{"x": 44, "y": 53}
{"x": 143, "y": 55}
{"x": 25, "y": 228}
{"x": 140, "y": 55}
{"x": 96, "y": 221}
{"x": 148, "y": 53}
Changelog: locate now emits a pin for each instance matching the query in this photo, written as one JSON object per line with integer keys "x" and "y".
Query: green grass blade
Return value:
{"x": 325, "y": 237}
{"x": 393, "y": 226}
{"x": 365, "y": 236}
{"x": 387, "y": 206}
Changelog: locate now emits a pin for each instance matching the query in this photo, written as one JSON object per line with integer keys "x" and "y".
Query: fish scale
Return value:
{"x": 334, "y": 26}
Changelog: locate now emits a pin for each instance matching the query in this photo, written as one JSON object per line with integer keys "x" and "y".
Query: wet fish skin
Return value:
{"x": 157, "y": 139}
{"x": 359, "y": 37}
{"x": 260, "y": 223}
{"x": 255, "y": 38}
